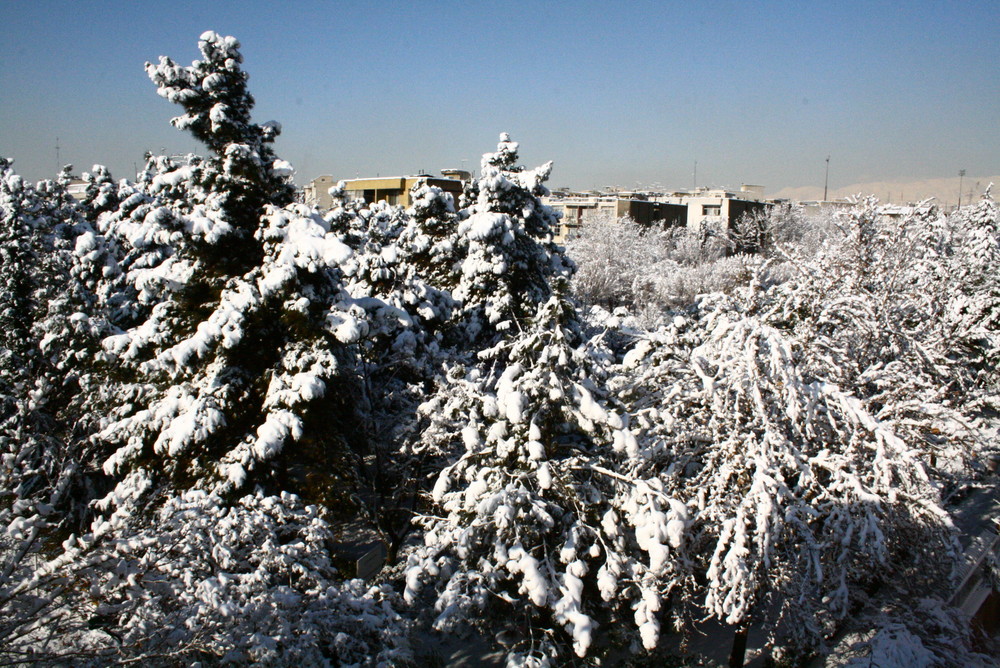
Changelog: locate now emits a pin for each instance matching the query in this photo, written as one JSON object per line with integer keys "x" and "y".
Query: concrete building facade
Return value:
{"x": 391, "y": 189}
{"x": 718, "y": 207}
{"x": 577, "y": 210}
{"x": 317, "y": 192}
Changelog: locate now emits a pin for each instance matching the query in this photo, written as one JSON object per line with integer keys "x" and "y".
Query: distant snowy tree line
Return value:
{"x": 206, "y": 386}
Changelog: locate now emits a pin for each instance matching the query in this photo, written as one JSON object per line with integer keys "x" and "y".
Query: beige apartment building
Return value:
{"x": 317, "y": 192}
{"x": 391, "y": 189}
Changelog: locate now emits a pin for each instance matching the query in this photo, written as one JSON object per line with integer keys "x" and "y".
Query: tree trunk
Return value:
{"x": 739, "y": 652}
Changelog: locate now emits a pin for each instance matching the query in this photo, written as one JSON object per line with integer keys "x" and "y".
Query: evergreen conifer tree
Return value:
{"x": 227, "y": 369}
{"x": 46, "y": 341}
{"x": 506, "y": 232}
{"x": 236, "y": 353}
{"x": 513, "y": 536}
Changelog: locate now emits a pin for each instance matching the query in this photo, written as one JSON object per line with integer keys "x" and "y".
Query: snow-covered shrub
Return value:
{"x": 651, "y": 271}
{"x": 875, "y": 312}
{"x": 244, "y": 582}
{"x": 614, "y": 258}
{"x": 910, "y": 631}
{"x": 672, "y": 285}
{"x": 47, "y": 339}
{"x": 695, "y": 246}
{"x": 772, "y": 231}
{"x": 796, "y": 496}
{"x": 972, "y": 314}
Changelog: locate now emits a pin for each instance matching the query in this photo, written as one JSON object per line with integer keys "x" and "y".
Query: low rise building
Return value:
{"x": 391, "y": 189}
{"x": 718, "y": 207}
{"x": 317, "y": 192}
{"x": 578, "y": 209}
{"x": 396, "y": 189}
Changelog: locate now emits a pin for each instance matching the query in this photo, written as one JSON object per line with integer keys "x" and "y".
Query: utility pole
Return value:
{"x": 695, "y": 177}
{"x": 826, "y": 181}
{"x": 58, "y": 166}
{"x": 961, "y": 175}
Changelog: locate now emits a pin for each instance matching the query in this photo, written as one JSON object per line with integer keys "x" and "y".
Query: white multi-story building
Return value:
{"x": 717, "y": 207}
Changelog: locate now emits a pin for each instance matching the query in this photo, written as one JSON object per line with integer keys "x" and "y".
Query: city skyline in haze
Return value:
{"x": 630, "y": 96}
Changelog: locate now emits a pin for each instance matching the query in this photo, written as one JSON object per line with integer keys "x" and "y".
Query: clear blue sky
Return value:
{"x": 756, "y": 92}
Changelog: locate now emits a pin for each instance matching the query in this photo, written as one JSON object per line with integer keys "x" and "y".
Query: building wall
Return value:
{"x": 578, "y": 211}
{"x": 392, "y": 189}
{"x": 703, "y": 210}
{"x": 317, "y": 192}
{"x": 717, "y": 207}
{"x": 739, "y": 208}
{"x": 657, "y": 214}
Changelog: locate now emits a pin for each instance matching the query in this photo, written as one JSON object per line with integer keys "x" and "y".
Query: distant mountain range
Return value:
{"x": 944, "y": 191}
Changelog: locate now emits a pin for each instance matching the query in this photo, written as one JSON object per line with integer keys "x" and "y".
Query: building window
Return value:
{"x": 711, "y": 209}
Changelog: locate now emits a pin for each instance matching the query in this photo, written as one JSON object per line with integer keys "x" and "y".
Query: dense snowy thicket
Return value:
{"x": 211, "y": 396}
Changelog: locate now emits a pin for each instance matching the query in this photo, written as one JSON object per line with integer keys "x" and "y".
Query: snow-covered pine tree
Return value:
{"x": 234, "y": 358}
{"x": 512, "y": 540}
{"x": 46, "y": 341}
{"x": 244, "y": 175}
{"x": 397, "y": 357}
{"x": 15, "y": 283}
{"x": 430, "y": 241}
{"x": 506, "y": 240}
{"x": 47, "y": 335}
{"x": 228, "y": 371}
{"x": 102, "y": 194}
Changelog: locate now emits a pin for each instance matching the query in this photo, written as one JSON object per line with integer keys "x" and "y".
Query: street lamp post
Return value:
{"x": 961, "y": 175}
{"x": 826, "y": 180}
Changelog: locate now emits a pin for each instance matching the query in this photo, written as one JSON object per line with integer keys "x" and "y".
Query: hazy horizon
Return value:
{"x": 762, "y": 93}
